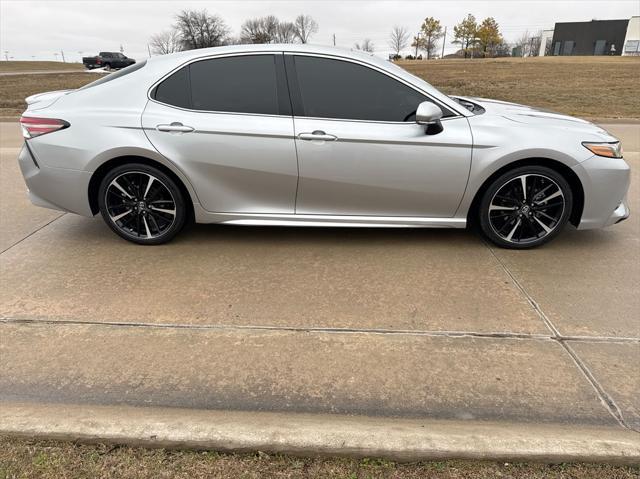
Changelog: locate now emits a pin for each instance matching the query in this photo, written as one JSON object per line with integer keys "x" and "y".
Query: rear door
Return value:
{"x": 360, "y": 150}
{"x": 226, "y": 123}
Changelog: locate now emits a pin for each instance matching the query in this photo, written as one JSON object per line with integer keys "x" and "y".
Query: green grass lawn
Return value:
{"x": 21, "y": 458}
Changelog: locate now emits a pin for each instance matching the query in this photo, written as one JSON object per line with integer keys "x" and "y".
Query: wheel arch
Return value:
{"x": 567, "y": 173}
{"x": 104, "y": 168}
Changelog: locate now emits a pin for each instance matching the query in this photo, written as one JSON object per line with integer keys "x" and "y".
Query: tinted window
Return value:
{"x": 114, "y": 76}
{"x": 244, "y": 84}
{"x": 339, "y": 89}
{"x": 175, "y": 89}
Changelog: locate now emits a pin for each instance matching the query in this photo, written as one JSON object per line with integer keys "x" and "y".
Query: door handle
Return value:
{"x": 175, "y": 127}
{"x": 317, "y": 135}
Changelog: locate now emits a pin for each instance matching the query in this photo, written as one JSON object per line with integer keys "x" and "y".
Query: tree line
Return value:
{"x": 482, "y": 39}
{"x": 194, "y": 29}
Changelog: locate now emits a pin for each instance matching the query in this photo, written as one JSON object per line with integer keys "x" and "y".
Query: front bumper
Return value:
{"x": 605, "y": 182}
{"x": 621, "y": 213}
{"x": 56, "y": 188}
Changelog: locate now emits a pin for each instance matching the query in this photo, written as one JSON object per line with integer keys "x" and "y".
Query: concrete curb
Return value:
{"x": 309, "y": 435}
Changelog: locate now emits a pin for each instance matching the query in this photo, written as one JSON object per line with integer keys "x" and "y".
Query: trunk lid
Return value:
{"x": 40, "y": 101}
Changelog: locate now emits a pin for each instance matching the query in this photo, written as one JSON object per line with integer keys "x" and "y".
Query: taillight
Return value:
{"x": 32, "y": 126}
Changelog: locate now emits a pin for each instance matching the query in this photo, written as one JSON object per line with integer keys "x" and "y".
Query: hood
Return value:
{"x": 44, "y": 100}
{"x": 539, "y": 117}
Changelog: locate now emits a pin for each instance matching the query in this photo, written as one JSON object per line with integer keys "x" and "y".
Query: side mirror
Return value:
{"x": 428, "y": 113}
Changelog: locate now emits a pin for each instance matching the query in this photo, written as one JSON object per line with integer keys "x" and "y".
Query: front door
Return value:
{"x": 360, "y": 150}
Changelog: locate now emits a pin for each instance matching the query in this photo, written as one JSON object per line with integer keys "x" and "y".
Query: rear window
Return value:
{"x": 239, "y": 84}
{"x": 114, "y": 76}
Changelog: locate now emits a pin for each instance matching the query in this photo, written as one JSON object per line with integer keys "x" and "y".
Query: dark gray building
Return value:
{"x": 597, "y": 37}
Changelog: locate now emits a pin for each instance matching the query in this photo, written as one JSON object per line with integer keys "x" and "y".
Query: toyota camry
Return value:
{"x": 311, "y": 136}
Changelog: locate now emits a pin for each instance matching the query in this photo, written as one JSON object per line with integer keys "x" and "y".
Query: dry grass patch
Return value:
{"x": 15, "y": 88}
{"x": 592, "y": 87}
{"x": 53, "y": 460}
{"x": 13, "y": 66}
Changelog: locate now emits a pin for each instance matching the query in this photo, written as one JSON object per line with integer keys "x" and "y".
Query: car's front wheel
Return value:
{"x": 142, "y": 204}
{"x": 525, "y": 207}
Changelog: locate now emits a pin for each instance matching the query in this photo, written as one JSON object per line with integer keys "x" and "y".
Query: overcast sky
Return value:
{"x": 38, "y": 29}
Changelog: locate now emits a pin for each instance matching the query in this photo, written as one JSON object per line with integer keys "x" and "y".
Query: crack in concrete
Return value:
{"x": 606, "y": 400}
{"x": 32, "y": 233}
{"x": 323, "y": 330}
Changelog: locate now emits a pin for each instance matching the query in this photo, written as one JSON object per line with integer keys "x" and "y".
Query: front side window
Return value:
{"x": 240, "y": 84}
{"x": 344, "y": 90}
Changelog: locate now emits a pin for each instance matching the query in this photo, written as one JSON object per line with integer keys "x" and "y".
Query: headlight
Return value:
{"x": 608, "y": 150}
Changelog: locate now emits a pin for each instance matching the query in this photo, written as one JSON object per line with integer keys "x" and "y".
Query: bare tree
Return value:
{"x": 198, "y": 29}
{"x": 365, "y": 46}
{"x": 165, "y": 42}
{"x": 523, "y": 43}
{"x": 260, "y": 30}
{"x": 399, "y": 39}
{"x": 534, "y": 44}
{"x": 306, "y": 26}
{"x": 286, "y": 33}
{"x": 251, "y": 32}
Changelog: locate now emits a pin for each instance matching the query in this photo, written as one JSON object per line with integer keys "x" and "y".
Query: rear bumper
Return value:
{"x": 605, "y": 182}
{"x": 55, "y": 188}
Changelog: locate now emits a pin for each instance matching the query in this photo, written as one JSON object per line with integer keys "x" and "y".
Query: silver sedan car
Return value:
{"x": 311, "y": 136}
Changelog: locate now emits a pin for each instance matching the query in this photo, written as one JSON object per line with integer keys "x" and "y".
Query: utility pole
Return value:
{"x": 6, "y": 55}
{"x": 149, "y": 50}
{"x": 334, "y": 39}
{"x": 63, "y": 60}
{"x": 444, "y": 41}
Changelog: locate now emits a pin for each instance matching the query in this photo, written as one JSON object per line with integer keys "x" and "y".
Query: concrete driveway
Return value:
{"x": 385, "y": 323}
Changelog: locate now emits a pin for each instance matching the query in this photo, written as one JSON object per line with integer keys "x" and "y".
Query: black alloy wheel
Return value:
{"x": 525, "y": 207}
{"x": 142, "y": 204}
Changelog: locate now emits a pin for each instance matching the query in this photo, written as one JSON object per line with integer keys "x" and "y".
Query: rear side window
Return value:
{"x": 175, "y": 89}
{"x": 114, "y": 76}
{"x": 344, "y": 90}
{"x": 242, "y": 84}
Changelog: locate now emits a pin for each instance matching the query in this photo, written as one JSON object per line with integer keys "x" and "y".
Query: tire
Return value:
{"x": 512, "y": 220}
{"x": 142, "y": 204}
{"x": 107, "y": 67}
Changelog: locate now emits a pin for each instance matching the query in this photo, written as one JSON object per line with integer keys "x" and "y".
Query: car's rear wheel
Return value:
{"x": 525, "y": 207}
{"x": 142, "y": 204}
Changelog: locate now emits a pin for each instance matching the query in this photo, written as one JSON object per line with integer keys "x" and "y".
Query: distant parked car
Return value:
{"x": 312, "y": 136}
{"x": 108, "y": 61}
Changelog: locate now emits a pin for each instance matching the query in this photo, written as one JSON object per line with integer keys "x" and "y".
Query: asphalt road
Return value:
{"x": 413, "y": 323}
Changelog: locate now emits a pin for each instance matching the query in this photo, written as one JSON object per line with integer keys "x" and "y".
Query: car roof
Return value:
{"x": 268, "y": 47}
